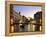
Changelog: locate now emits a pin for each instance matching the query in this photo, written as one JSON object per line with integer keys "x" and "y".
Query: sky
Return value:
{"x": 27, "y": 11}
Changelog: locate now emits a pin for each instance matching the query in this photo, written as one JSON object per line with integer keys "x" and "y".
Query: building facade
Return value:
{"x": 38, "y": 19}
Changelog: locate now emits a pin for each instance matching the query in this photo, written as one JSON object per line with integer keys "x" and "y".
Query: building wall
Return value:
{"x": 38, "y": 19}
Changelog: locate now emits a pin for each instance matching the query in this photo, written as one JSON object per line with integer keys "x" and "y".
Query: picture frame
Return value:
{"x": 7, "y": 17}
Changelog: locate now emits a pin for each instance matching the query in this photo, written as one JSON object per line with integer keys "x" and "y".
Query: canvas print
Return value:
{"x": 24, "y": 18}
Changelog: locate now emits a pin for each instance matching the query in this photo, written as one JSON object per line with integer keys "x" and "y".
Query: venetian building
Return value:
{"x": 23, "y": 23}
{"x": 11, "y": 18}
{"x": 14, "y": 20}
{"x": 38, "y": 18}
